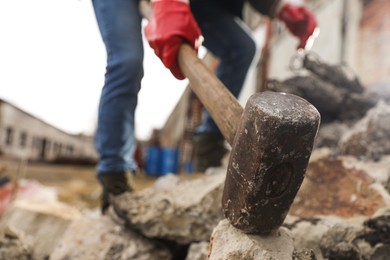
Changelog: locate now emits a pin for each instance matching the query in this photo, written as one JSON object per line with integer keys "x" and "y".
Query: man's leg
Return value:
{"x": 120, "y": 26}
{"x": 235, "y": 48}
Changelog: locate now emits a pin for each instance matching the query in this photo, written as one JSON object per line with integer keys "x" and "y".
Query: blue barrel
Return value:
{"x": 169, "y": 160}
{"x": 188, "y": 168}
{"x": 153, "y": 161}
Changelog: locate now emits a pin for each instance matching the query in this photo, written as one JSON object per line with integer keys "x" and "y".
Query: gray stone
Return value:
{"x": 314, "y": 90}
{"x": 370, "y": 136}
{"x": 228, "y": 243}
{"x": 338, "y": 243}
{"x": 39, "y": 225}
{"x": 378, "y": 230}
{"x": 198, "y": 251}
{"x": 338, "y": 75}
{"x": 346, "y": 105}
{"x": 382, "y": 252}
{"x": 185, "y": 213}
{"x": 100, "y": 238}
{"x": 308, "y": 232}
{"x": 304, "y": 254}
{"x": 382, "y": 90}
{"x": 167, "y": 181}
{"x": 12, "y": 248}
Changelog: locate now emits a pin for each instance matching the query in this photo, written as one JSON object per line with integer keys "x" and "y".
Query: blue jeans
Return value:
{"x": 119, "y": 22}
{"x": 227, "y": 40}
{"x": 120, "y": 26}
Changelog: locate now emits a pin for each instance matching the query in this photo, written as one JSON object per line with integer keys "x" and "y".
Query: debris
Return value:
{"x": 99, "y": 237}
{"x": 39, "y": 225}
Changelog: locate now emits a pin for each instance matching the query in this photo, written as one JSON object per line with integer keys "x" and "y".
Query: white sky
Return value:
{"x": 52, "y": 65}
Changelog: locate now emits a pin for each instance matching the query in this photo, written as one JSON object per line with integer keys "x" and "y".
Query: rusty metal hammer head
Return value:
{"x": 269, "y": 157}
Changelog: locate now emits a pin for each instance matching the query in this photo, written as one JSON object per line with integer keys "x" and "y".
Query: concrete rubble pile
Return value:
{"x": 342, "y": 210}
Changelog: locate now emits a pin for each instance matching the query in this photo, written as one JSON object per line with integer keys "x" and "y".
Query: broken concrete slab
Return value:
{"x": 330, "y": 188}
{"x": 101, "y": 238}
{"x": 228, "y": 242}
{"x": 39, "y": 225}
{"x": 186, "y": 213}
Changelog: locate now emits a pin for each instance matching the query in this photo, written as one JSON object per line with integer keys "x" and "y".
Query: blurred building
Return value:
{"x": 23, "y": 135}
{"x": 373, "y": 54}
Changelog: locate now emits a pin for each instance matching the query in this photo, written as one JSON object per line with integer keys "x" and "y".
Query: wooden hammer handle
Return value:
{"x": 217, "y": 99}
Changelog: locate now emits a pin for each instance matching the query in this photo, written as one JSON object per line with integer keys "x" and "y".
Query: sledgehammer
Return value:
{"x": 271, "y": 139}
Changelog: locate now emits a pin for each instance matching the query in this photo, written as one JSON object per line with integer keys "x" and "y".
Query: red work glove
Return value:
{"x": 300, "y": 22}
{"x": 172, "y": 24}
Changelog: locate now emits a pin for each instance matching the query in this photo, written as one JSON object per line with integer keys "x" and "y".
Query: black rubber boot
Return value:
{"x": 113, "y": 184}
{"x": 209, "y": 150}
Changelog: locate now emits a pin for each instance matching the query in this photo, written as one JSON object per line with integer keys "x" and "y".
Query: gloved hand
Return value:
{"x": 299, "y": 21}
{"x": 172, "y": 24}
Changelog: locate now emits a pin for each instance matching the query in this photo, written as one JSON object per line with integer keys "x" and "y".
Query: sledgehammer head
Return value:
{"x": 269, "y": 157}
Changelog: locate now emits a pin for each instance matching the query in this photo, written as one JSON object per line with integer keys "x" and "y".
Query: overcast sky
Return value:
{"x": 52, "y": 65}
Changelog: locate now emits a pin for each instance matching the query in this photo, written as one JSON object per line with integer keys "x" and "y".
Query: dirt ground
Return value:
{"x": 76, "y": 185}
